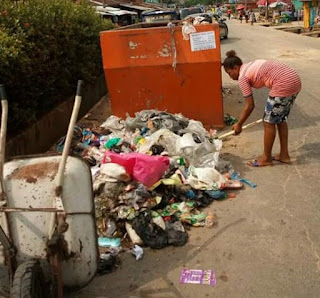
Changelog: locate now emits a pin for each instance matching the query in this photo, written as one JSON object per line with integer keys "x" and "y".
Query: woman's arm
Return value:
{"x": 247, "y": 110}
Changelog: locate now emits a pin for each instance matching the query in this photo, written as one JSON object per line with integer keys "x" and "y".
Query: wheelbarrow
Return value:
{"x": 47, "y": 231}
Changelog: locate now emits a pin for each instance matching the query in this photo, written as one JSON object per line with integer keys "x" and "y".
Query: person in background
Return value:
{"x": 229, "y": 13}
{"x": 252, "y": 17}
{"x": 284, "y": 84}
{"x": 246, "y": 15}
{"x": 241, "y": 15}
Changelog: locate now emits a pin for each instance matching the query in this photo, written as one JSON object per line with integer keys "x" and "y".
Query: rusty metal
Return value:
{"x": 58, "y": 190}
{"x": 62, "y": 225}
{"x": 13, "y": 261}
{"x": 57, "y": 275}
{"x": 10, "y": 254}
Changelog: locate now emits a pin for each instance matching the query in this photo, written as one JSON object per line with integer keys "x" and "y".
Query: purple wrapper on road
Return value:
{"x": 198, "y": 277}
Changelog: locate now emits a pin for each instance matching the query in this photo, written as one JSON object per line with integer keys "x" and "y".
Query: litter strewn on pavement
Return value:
{"x": 152, "y": 175}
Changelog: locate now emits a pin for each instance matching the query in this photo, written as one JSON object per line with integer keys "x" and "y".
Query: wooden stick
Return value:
{"x": 230, "y": 133}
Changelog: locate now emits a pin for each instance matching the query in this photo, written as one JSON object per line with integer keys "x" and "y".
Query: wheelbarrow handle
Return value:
{"x": 3, "y": 136}
{"x": 3, "y": 93}
{"x": 79, "y": 88}
{"x": 65, "y": 152}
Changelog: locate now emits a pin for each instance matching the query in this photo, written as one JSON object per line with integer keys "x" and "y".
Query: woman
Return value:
{"x": 284, "y": 84}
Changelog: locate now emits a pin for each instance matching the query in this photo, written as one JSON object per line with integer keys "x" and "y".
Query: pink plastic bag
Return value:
{"x": 141, "y": 167}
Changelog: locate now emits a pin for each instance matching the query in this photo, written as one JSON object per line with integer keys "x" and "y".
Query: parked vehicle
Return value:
{"x": 211, "y": 18}
{"x": 184, "y": 12}
{"x": 117, "y": 15}
{"x": 159, "y": 16}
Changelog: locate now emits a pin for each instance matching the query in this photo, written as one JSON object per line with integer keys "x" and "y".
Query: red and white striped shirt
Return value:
{"x": 281, "y": 79}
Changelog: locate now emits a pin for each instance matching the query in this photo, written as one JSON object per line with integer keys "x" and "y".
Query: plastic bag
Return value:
{"x": 197, "y": 128}
{"x": 114, "y": 172}
{"x": 138, "y": 252}
{"x": 165, "y": 138}
{"x": 141, "y": 167}
{"x": 199, "y": 155}
{"x": 177, "y": 236}
{"x": 132, "y": 124}
{"x": 151, "y": 234}
{"x": 159, "y": 222}
{"x": 113, "y": 123}
{"x": 205, "y": 179}
{"x": 187, "y": 29}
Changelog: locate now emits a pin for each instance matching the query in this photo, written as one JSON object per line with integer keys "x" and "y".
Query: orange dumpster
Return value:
{"x": 155, "y": 68}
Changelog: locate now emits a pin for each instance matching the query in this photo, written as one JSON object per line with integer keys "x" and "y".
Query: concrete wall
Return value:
{"x": 39, "y": 137}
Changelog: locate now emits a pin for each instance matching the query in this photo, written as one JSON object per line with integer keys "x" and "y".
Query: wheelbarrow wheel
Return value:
{"x": 28, "y": 281}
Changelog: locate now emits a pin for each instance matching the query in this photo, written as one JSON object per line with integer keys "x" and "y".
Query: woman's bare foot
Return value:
{"x": 285, "y": 159}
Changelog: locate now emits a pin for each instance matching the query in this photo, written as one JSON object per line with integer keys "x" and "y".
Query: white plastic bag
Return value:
{"x": 138, "y": 252}
{"x": 187, "y": 29}
{"x": 113, "y": 123}
{"x": 114, "y": 172}
{"x": 205, "y": 178}
{"x": 164, "y": 137}
{"x": 159, "y": 222}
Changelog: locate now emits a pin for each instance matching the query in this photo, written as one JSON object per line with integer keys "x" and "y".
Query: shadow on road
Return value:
{"x": 230, "y": 40}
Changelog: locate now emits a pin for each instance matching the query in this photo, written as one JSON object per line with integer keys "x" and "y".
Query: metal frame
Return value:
{"x": 56, "y": 250}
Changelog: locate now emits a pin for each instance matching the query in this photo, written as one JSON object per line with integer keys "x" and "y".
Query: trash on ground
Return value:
{"x": 107, "y": 263}
{"x": 236, "y": 176}
{"x": 209, "y": 219}
{"x": 108, "y": 242}
{"x": 226, "y": 91}
{"x": 198, "y": 277}
{"x": 230, "y": 120}
{"x": 138, "y": 252}
{"x": 152, "y": 176}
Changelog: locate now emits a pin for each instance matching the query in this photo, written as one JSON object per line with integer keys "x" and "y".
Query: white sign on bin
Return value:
{"x": 202, "y": 41}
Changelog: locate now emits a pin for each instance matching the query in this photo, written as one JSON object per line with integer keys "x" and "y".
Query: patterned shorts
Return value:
{"x": 277, "y": 109}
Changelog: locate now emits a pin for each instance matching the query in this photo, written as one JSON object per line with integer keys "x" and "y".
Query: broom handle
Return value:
{"x": 230, "y": 133}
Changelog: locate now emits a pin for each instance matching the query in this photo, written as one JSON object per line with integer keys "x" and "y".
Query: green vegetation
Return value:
{"x": 45, "y": 47}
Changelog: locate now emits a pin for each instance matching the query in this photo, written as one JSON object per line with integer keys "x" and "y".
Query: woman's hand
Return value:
{"x": 237, "y": 128}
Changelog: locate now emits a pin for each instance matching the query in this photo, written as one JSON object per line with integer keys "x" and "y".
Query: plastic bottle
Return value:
{"x": 108, "y": 242}
{"x": 209, "y": 219}
{"x": 111, "y": 228}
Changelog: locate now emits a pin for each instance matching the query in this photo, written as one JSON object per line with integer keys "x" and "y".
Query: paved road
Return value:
{"x": 267, "y": 241}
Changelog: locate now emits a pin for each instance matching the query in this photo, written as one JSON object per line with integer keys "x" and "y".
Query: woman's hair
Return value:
{"x": 232, "y": 60}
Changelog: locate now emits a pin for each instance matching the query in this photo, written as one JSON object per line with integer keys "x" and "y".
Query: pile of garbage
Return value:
{"x": 152, "y": 175}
